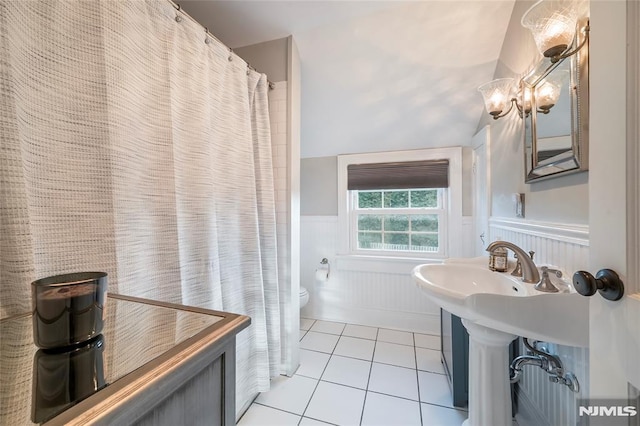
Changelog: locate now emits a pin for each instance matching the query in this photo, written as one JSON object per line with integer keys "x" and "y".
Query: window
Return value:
{"x": 398, "y": 220}
{"x": 403, "y": 204}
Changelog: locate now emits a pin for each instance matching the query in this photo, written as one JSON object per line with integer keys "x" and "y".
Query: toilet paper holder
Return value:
{"x": 322, "y": 273}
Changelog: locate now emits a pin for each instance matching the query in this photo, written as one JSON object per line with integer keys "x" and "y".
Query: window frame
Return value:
{"x": 452, "y": 232}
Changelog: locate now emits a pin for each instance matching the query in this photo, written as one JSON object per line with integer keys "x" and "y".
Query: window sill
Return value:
{"x": 381, "y": 264}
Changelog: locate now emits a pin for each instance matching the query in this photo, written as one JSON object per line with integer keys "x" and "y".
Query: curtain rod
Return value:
{"x": 177, "y": 7}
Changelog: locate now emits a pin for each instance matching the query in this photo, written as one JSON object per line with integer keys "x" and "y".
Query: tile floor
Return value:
{"x": 356, "y": 375}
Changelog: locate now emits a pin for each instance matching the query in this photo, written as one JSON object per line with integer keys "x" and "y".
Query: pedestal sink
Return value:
{"x": 495, "y": 309}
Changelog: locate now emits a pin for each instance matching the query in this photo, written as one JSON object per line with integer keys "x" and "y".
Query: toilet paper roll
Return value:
{"x": 322, "y": 273}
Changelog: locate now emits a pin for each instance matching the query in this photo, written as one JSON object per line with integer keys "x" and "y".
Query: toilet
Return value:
{"x": 304, "y": 297}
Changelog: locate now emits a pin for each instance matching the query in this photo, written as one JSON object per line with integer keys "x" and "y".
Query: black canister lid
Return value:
{"x": 69, "y": 279}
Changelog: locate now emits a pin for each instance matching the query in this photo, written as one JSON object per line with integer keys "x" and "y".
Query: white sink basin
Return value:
{"x": 468, "y": 289}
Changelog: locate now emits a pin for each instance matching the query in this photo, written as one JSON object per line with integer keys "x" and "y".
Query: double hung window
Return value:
{"x": 398, "y": 221}
{"x": 400, "y": 204}
{"x": 398, "y": 208}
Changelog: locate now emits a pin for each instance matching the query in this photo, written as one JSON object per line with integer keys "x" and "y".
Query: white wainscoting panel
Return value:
{"x": 561, "y": 245}
{"x": 555, "y": 403}
{"x": 566, "y": 247}
{"x": 361, "y": 290}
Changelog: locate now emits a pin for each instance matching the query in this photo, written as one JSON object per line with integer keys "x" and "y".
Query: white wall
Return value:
{"x": 380, "y": 294}
{"x": 278, "y": 114}
{"x": 292, "y": 317}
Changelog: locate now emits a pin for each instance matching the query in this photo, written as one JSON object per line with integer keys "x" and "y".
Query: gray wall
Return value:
{"x": 269, "y": 57}
{"x": 560, "y": 200}
{"x": 319, "y": 186}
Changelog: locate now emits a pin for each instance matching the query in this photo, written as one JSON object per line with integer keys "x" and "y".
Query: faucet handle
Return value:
{"x": 531, "y": 253}
{"x": 545, "y": 283}
{"x": 555, "y": 271}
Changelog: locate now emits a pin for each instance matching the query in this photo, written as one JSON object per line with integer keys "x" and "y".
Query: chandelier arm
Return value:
{"x": 557, "y": 58}
{"x": 511, "y": 102}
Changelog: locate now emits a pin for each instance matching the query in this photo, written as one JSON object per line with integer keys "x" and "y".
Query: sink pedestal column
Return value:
{"x": 489, "y": 387}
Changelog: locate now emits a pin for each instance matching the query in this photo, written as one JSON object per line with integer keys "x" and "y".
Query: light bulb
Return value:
{"x": 552, "y": 24}
{"x": 496, "y": 95}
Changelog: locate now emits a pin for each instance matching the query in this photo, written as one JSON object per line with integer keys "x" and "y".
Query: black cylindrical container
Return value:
{"x": 64, "y": 378}
{"x": 68, "y": 309}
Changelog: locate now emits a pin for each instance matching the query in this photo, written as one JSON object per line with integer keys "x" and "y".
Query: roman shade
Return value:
{"x": 399, "y": 175}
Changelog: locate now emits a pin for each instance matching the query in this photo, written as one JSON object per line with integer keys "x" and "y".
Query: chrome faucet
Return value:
{"x": 530, "y": 273}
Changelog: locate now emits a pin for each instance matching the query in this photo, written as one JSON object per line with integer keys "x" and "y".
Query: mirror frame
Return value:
{"x": 578, "y": 159}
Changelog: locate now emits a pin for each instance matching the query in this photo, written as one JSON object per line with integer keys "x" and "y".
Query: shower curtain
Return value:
{"x": 133, "y": 143}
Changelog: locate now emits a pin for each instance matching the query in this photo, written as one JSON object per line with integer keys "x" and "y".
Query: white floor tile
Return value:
{"x": 394, "y": 336}
{"x": 434, "y": 389}
{"x": 427, "y": 341}
{"x": 391, "y": 353}
{"x": 433, "y": 415}
{"x": 429, "y": 360}
{"x": 341, "y": 356}
{"x": 312, "y": 363}
{"x": 347, "y": 371}
{"x": 306, "y": 323}
{"x": 386, "y": 410}
{"x": 336, "y": 404}
{"x": 302, "y": 334}
{"x": 355, "y": 348}
{"x": 259, "y": 415}
{"x": 360, "y": 331}
{"x": 320, "y": 342}
{"x": 328, "y": 327}
{"x": 289, "y": 393}
{"x": 392, "y": 380}
{"x": 306, "y": 421}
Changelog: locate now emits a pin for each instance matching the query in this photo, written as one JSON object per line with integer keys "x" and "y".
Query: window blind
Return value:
{"x": 401, "y": 175}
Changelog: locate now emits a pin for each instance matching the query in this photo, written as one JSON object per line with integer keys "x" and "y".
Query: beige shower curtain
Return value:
{"x": 132, "y": 146}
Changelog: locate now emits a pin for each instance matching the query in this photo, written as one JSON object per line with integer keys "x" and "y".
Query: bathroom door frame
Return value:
{"x": 481, "y": 189}
{"x": 614, "y": 197}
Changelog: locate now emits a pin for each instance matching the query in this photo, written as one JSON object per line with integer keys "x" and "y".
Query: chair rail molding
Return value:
{"x": 568, "y": 233}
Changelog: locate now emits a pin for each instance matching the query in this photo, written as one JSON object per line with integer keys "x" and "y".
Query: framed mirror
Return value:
{"x": 555, "y": 97}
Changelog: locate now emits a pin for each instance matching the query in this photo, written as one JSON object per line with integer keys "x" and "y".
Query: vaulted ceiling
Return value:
{"x": 377, "y": 75}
